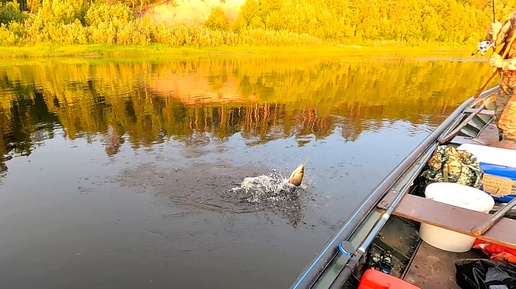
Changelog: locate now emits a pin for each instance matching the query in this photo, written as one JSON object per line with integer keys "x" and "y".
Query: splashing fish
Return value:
{"x": 271, "y": 187}
{"x": 296, "y": 178}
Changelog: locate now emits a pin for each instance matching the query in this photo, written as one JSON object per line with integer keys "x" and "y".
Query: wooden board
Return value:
{"x": 458, "y": 140}
{"x": 456, "y": 219}
{"x": 487, "y": 112}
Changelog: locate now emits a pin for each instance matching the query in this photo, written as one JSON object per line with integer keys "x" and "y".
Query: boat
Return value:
{"x": 389, "y": 221}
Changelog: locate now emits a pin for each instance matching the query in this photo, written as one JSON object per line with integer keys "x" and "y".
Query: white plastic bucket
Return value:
{"x": 457, "y": 195}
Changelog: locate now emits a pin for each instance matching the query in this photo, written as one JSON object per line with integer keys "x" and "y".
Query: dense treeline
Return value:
{"x": 258, "y": 22}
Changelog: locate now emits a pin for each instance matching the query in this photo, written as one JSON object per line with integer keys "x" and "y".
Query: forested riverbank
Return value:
{"x": 247, "y": 23}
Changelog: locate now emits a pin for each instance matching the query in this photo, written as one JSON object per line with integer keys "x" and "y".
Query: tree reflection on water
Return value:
{"x": 146, "y": 102}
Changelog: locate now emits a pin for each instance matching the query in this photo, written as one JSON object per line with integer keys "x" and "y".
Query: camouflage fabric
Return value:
{"x": 448, "y": 164}
{"x": 505, "y": 107}
{"x": 503, "y": 39}
{"x": 505, "y": 118}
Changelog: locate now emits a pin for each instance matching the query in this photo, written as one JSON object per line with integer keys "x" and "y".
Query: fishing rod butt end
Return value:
{"x": 476, "y": 232}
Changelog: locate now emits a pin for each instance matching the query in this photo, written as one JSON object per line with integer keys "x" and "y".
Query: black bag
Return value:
{"x": 485, "y": 274}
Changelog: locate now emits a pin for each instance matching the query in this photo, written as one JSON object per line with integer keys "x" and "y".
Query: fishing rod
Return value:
{"x": 494, "y": 14}
{"x": 491, "y": 221}
{"x": 504, "y": 51}
{"x": 352, "y": 263}
{"x": 483, "y": 46}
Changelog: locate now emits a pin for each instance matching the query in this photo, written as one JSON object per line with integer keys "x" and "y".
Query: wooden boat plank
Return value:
{"x": 487, "y": 112}
{"x": 458, "y": 140}
{"x": 456, "y": 219}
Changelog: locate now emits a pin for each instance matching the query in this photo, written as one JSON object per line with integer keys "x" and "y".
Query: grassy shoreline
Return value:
{"x": 101, "y": 51}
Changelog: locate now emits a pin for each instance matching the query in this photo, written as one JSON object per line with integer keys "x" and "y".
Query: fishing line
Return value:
{"x": 494, "y": 14}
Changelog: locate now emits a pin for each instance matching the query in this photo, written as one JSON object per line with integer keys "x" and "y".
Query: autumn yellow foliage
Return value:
{"x": 255, "y": 22}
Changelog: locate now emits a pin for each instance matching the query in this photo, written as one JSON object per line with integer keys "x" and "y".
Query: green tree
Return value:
{"x": 10, "y": 12}
{"x": 249, "y": 13}
{"x": 218, "y": 20}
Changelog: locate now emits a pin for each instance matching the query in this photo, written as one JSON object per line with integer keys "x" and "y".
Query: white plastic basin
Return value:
{"x": 457, "y": 195}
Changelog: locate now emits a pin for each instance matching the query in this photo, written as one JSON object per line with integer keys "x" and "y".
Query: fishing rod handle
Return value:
{"x": 481, "y": 229}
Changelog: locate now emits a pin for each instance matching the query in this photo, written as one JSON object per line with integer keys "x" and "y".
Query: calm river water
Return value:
{"x": 116, "y": 173}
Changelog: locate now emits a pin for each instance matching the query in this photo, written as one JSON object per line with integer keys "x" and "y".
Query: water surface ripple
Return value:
{"x": 121, "y": 174}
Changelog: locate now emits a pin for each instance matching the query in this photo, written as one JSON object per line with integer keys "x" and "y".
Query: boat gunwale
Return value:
{"x": 311, "y": 274}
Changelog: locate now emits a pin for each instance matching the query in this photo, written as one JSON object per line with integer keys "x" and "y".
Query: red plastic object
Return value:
{"x": 373, "y": 279}
{"x": 495, "y": 251}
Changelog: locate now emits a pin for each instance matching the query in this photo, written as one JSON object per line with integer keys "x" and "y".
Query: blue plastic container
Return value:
{"x": 501, "y": 171}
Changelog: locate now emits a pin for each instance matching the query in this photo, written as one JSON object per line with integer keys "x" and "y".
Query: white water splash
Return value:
{"x": 273, "y": 187}
{"x": 272, "y": 193}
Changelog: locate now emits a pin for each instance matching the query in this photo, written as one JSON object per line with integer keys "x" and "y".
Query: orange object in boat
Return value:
{"x": 495, "y": 251}
{"x": 373, "y": 279}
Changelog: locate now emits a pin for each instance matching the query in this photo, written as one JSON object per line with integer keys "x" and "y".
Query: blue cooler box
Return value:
{"x": 498, "y": 180}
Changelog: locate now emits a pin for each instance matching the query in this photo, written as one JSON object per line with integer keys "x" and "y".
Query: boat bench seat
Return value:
{"x": 456, "y": 219}
{"x": 487, "y": 112}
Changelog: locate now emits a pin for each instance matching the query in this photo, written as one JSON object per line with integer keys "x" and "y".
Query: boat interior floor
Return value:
{"x": 435, "y": 268}
{"x": 488, "y": 136}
